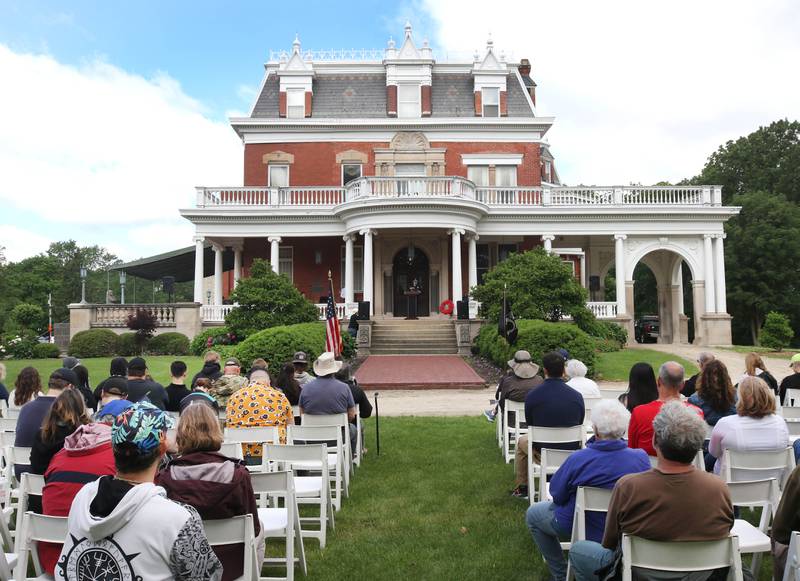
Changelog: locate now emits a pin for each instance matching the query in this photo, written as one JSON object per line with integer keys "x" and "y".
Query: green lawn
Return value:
{"x": 98, "y": 367}
{"x": 616, "y": 366}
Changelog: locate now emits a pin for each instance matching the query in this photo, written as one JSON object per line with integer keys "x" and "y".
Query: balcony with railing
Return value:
{"x": 459, "y": 188}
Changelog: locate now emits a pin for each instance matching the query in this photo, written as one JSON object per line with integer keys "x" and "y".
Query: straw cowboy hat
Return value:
{"x": 522, "y": 366}
{"x": 326, "y": 364}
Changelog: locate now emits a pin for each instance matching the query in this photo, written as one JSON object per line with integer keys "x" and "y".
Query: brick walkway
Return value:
{"x": 417, "y": 372}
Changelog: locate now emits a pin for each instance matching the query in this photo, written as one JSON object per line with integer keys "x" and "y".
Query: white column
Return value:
{"x": 458, "y": 293}
{"x": 274, "y": 252}
{"x": 237, "y": 264}
{"x": 349, "y": 295}
{"x": 619, "y": 272}
{"x": 198, "y": 269}
{"x": 218, "y": 250}
{"x": 711, "y": 306}
{"x": 473, "y": 262}
{"x": 681, "y": 306}
{"x": 368, "y": 275}
{"x": 548, "y": 242}
{"x": 719, "y": 271}
{"x": 583, "y": 270}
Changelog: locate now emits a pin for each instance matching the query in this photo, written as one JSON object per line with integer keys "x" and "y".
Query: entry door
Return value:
{"x": 407, "y": 185}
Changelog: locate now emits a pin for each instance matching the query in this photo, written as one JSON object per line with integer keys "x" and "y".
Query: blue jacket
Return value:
{"x": 600, "y": 464}
{"x": 710, "y": 415}
{"x": 554, "y": 404}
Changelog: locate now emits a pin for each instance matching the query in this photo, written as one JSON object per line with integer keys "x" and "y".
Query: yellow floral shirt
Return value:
{"x": 255, "y": 406}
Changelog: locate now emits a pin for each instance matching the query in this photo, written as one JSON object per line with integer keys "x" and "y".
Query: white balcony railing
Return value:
{"x": 343, "y": 310}
{"x": 603, "y": 310}
{"x": 117, "y": 315}
{"x": 215, "y": 313}
{"x": 323, "y": 197}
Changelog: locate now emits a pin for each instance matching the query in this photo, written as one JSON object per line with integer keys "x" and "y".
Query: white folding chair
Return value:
{"x": 342, "y": 421}
{"x": 793, "y": 425}
{"x": 8, "y": 561}
{"x": 544, "y": 437}
{"x": 513, "y": 427}
{"x": 336, "y": 464}
{"x": 611, "y": 393}
{"x": 231, "y": 450}
{"x": 13, "y": 413}
{"x": 8, "y": 424}
{"x": 680, "y": 556}
{"x": 38, "y": 528}
{"x": 588, "y": 404}
{"x": 551, "y": 460}
{"x": 307, "y": 489}
{"x": 699, "y": 461}
{"x": 756, "y": 493}
{"x": 792, "y": 570}
{"x": 792, "y": 398}
{"x": 758, "y": 465}
{"x": 235, "y": 530}
{"x": 281, "y": 522}
{"x": 790, "y": 412}
{"x": 359, "y": 442}
{"x": 254, "y": 436}
{"x": 587, "y": 499}
{"x": 30, "y": 485}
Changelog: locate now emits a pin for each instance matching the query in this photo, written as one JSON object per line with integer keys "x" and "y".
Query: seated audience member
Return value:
{"x": 755, "y": 426}
{"x": 352, "y": 326}
{"x": 113, "y": 400}
{"x": 288, "y": 384}
{"x": 230, "y": 382}
{"x": 691, "y": 384}
{"x": 641, "y": 386}
{"x": 154, "y": 537}
{"x": 522, "y": 376}
{"x": 217, "y": 486}
{"x": 672, "y": 502}
{"x": 551, "y": 405}
{"x": 176, "y": 390}
{"x": 576, "y": 371}
{"x": 32, "y": 414}
{"x": 27, "y": 387}
{"x": 82, "y": 373}
{"x": 211, "y": 369}
{"x": 258, "y": 405}
{"x": 326, "y": 395}
{"x": 117, "y": 368}
{"x": 200, "y": 395}
{"x": 716, "y": 396}
{"x": 791, "y": 381}
{"x": 64, "y": 417}
{"x": 786, "y": 521}
{"x": 140, "y": 387}
{"x": 301, "y": 374}
{"x": 359, "y": 397}
{"x": 754, "y": 367}
{"x": 669, "y": 384}
{"x": 85, "y": 457}
{"x": 604, "y": 461}
{"x": 258, "y": 364}
{"x": 3, "y": 389}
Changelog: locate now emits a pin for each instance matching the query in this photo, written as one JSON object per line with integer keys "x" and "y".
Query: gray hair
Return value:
{"x": 576, "y": 368}
{"x": 610, "y": 419}
{"x": 679, "y": 432}
{"x": 671, "y": 374}
{"x": 705, "y": 357}
{"x": 258, "y": 374}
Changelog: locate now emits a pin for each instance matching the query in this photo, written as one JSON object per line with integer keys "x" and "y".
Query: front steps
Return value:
{"x": 417, "y": 337}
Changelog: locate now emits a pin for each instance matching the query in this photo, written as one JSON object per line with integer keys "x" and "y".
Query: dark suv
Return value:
{"x": 647, "y": 328}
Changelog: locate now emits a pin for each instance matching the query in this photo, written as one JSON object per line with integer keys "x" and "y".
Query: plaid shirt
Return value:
{"x": 258, "y": 405}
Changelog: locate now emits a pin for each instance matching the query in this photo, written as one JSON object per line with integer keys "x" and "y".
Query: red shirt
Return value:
{"x": 640, "y": 429}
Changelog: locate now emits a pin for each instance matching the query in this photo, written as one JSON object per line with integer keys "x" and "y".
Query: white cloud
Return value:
{"x": 111, "y": 153}
{"x": 21, "y": 243}
{"x": 641, "y": 91}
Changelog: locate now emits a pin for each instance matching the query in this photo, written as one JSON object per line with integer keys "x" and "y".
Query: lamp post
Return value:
{"x": 122, "y": 280}
{"x": 208, "y": 297}
{"x": 83, "y": 285}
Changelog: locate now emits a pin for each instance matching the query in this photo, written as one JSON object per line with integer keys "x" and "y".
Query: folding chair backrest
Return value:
{"x": 29, "y": 485}
{"x": 279, "y": 482}
{"x": 237, "y": 529}
{"x": 588, "y": 499}
{"x": 567, "y": 435}
{"x": 790, "y": 412}
{"x": 315, "y": 434}
{"x": 12, "y": 413}
{"x": 231, "y": 450}
{"x": 611, "y": 393}
{"x": 700, "y": 461}
{"x": 680, "y": 556}
{"x": 518, "y": 409}
{"x": 792, "y": 397}
{"x": 296, "y": 453}
{"x": 8, "y": 424}
{"x": 260, "y": 435}
{"x": 324, "y": 420}
{"x": 18, "y": 455}
{"x": 551, "y": 460}
{"x": 7, "y": 438}
{"x": 759, "y": 465}
{"x": 752, "y": 493}
{"x": 590, "y": 402}
{"x": 792, "y": 570}
{"x": 37, "y": 528}
{"x": 793, "y": 424}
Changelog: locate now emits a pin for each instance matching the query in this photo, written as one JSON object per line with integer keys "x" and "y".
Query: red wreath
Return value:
{"x": 446, "y": 308}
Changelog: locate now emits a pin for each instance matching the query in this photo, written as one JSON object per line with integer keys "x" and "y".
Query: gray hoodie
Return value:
{"x": 145, "y": 536}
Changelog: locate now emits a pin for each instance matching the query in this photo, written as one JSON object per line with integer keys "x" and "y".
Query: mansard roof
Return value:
{"x": 363, "y": 95}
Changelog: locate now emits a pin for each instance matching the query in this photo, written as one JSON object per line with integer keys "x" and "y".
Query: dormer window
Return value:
{"x": 295, "y": 103}
{"x": 490, "y": 98}
{"x": 408, "y": 100}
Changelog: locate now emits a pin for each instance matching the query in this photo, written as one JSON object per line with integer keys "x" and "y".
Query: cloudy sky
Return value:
{"x": 110, "y": 114}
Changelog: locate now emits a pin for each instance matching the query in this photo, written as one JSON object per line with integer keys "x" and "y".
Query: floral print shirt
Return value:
{"x": 259, "y": 405}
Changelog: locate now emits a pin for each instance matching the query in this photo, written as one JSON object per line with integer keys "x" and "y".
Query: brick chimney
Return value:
{"x": 525, "y": 73}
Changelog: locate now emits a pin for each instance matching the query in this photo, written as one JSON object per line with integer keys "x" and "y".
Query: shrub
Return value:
{"x": 28, "y": 316}
{"x": 126, "y": 345}
{"x": 278, "y": 344}
{"x": 776, "y": 332}
{"x": 218, "y": 335}
{"x": 266, "y": 299}
{"x": 93, "y": 343}
{"x": 538, "y": 338}
{"x": 587, "y": 322}
{"x": 46, "y": 351}
{"x": 18, "y": 346}
{"x": 169, "y": 344}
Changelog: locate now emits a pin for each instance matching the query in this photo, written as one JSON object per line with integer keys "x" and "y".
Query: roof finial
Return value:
{"x": 489, "y": 43}
{"x": 477, "y": 56}
{"x": 408, "y": 28}
{"x": 425, "y": 43}
{"x": 390, "y": 44}
{"x": 296, "y": 43}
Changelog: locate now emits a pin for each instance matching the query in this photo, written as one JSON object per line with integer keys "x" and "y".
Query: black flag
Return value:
{"x": 507, "y": 326}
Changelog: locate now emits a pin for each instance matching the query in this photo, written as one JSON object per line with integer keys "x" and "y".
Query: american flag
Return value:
{"x": 333, "y": 334}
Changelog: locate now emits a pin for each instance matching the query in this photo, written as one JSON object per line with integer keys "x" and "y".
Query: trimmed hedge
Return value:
{"x": 126, "y": 345}
{"x": 199, "y": 344}
{"x": 93, "y": 343}
{"x": 169, "y": 344}
{"x": 278, "y": 344}
{"x": 46, "y": 351}
{"x": 538, "y": 338}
